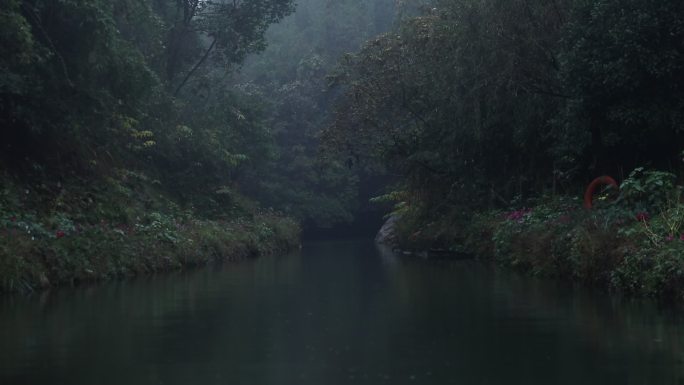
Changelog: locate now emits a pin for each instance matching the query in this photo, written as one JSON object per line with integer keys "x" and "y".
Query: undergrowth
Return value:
{"x": 73, "y": 232}
{"x": 632, "y": 243}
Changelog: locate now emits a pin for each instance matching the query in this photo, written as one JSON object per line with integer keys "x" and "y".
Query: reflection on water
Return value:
{"x": 338, "y": 313}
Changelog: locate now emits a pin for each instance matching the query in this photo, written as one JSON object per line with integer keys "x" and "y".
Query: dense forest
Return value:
{"x": 146, "y": 135}
{"x": 496, "y": 115}
{"x": 143, "y": 135}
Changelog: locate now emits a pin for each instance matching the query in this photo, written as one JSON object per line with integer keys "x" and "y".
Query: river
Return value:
{"x": 338, "y": 313}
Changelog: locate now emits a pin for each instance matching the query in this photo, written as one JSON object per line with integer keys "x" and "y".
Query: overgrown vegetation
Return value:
{"x": 123, "y": 145}
{"x": 496, "y": 114}
{"x": 128, "y": 130}
{"x": 112, "y": 230}
{"x": 633, "y": 244}
{"x": 170, "y": 122}
{"x": 291, "y": 78}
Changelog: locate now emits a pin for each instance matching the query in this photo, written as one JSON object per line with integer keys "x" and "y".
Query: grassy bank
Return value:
{"x": 67, "y": 233}
{"x": 632, "y": 243}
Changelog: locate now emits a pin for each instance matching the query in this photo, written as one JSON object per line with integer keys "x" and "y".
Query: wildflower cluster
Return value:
{"x": 518, "y": 215}
{"x": 671, "y": 237}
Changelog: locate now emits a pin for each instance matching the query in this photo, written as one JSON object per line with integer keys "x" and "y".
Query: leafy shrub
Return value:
{"x": 54, "y": 246}
{"x": 594, "y": 253}
{"x": 652, "y": 272}
{"x": 480, "y": 232}
{"x": 647, "y": 189}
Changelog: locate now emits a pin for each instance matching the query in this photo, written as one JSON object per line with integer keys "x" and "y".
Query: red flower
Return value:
{"x": 643, "y": 217}
{"x": 59, "y": 234}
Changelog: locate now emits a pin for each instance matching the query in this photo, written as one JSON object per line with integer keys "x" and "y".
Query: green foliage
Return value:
{"x": 449, "y": 101}
{"x": 656, "y": 273}
{"x": 136, "y": 136}
{"x": 124, "y": 172}
{"x": 664, "y": 227}
{"x": 61, "y": 245}
{"x": 621, "y": 65}
{"x": 610, "y": 246}
{"x": 648, "y": 189}
{"x": 477, "y": 102}
{"x": 319, "y": 188}
{"x": 17, "y": 46}
{"x": 398, "y": 199}
{"x": 86, "y": 89}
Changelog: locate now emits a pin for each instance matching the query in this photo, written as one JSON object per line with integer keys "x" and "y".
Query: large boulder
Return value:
{"x": 388, "y": 232}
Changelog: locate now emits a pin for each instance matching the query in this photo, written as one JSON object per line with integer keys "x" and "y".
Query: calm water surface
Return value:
{"x": 338, "y": 313}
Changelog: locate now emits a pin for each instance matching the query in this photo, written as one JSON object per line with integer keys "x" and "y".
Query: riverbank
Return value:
{"x": 68, "y": 234}
{"x": 635, "y": 255}
{"x": 634, "y": 245}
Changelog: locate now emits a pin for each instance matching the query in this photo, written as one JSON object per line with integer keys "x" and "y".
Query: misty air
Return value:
{"x": 331, "y": 192}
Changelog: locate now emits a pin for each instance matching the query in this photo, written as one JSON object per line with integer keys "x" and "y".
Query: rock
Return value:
{"x": 43, "y": 280}
{"x": 387, "y": 234}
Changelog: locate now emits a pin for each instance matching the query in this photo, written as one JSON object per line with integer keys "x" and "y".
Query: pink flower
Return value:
{"x": 59, "y": 234}
{"x": 681, "y": 237}
{"x": 643, "y": 217}
{"x": 669, "y": 238}
{"x": 518, "y": 215}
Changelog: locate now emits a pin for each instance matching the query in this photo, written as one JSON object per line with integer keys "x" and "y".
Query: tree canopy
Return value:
{"x": 476, "y": 102}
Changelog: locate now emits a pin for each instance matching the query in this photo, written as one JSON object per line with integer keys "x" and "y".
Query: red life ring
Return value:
{"x": 600, "y": 181}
